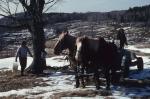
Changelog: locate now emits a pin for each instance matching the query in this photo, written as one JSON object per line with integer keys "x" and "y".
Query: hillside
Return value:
{"x": 53, "y": 18}
{"x": 90, "y": 23}
{"x": 135, "y": 14}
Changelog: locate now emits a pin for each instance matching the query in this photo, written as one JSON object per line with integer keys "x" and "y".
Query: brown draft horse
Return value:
{"x": 101, "y": 54}
{"x": 64, "y": 42}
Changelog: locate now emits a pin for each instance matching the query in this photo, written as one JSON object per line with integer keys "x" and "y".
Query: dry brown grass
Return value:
{"x": 19, "y": 97}
{"x": 13, "y": 97}
{"x": 80, "y": 93}
{"x": 11, "y": 81}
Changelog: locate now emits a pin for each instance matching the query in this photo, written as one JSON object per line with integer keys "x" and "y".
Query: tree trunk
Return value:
{"x": 37, "y": 32}
{"x": 35, "y": 11}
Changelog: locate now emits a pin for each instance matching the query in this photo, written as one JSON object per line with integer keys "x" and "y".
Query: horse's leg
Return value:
{"x": 115, "y": 77}
{"x": 96, "y": 77}
{"x": 82, "y": 75}
{"x": 77, "y": 81}
{"x": 77, "y": 77}
{"x": 107, "y": 76}
{"x": 87, "y": 72}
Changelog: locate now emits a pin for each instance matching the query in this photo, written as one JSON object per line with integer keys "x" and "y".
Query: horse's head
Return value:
{"x": 62, "y": 43}
{"x": 79, "y": 48}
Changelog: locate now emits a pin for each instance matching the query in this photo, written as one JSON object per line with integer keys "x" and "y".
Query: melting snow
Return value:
{"x": 144, "y": 50}
{"x": 57, "y": 61}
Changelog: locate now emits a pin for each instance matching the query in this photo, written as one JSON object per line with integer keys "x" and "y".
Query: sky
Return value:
{"x": 97, "y": 5}
{"x": 70, "y": 6}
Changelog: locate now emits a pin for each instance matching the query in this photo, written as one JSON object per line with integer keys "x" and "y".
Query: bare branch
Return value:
{"x": 3, "y": 7}
{"x": 24, "y": 4}
{"x": 16, "y": 7}
{"x": 4, "y": 10}
{"x": 49, "y": 1}
{"x": 40, "y": 5}
{"x": 7, "y": 2}
{"x": 54, "y": 3}
{"x": 3, "y": 15}
{"x": 7, "y": 8}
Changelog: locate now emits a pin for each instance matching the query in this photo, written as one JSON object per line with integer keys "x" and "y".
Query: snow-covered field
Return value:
{"x": 59, "y": 82}
{"x": 57, "y": 61}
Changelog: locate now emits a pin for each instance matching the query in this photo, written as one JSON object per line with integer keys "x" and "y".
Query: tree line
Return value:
{"x": 137, "y": 14}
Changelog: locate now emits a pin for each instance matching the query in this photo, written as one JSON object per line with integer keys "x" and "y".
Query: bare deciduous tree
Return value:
{"x": 33, "y": 10}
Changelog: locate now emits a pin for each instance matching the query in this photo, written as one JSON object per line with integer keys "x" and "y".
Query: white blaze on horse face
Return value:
{"x": 78, "y": 54}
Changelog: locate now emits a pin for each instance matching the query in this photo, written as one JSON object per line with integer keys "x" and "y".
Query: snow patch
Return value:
{"x": 144, "y": 50}
{"x": 57, "y": 61}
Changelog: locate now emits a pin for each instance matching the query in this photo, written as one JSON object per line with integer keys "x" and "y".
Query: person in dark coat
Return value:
{"x": 22, "y": 54}
{"x": 122, "y": 37}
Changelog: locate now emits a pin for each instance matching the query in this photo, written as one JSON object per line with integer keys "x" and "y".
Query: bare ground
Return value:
{"x": 80, "y": 93}
{"x": 13, "y": 81}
